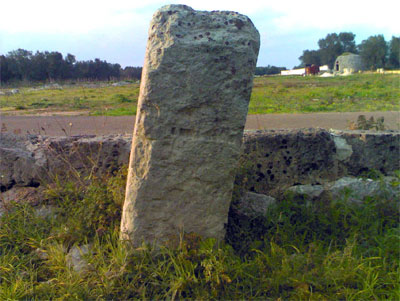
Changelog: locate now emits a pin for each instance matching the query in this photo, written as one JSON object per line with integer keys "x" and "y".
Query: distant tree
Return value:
{"x": 334, "y": 45}
{"x": 5, "y": 74}
{"x": 69, "y": 70}
{"x": 99, "y": 70}
{"x": 81, "y": 69}
{"x": 346, "y": 40}
{"x": 310, "y": 57}
{"x": 70, "y": 59}
{"x": 39, "y": 67}
{"x": 21, "y": 64}
{"x": 393, "y": 61}
{"x": 132, "y": 72}
{"x": 115, "y": 70}
{"x": 330, "y": 48}
{"x": 269, "y": 70}
{"x": 374, "y": 51}
{"x": 55, "y": 65}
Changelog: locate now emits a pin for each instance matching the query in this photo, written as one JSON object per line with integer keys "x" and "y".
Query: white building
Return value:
{"x": 324, "y": 68}
{"x": 301, "y": 71}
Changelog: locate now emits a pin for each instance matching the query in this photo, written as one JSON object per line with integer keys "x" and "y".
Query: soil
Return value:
{"x": 66, "y": 125}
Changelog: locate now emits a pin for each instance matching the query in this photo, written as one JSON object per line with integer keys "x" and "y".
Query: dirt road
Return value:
{"x": 101, "y": 125}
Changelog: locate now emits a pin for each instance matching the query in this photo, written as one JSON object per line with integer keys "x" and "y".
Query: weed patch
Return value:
{"x": 300, "y": 250}
{"x": 370, "y": 124}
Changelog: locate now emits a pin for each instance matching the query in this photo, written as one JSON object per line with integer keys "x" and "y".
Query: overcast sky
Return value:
{"x": 116, "y": 30}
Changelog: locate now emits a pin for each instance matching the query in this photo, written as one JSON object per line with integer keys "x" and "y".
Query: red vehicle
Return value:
{"x": 312, "y": 70}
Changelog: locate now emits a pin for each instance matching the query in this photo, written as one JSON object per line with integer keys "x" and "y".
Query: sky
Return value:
{"x": 116, "y": 30}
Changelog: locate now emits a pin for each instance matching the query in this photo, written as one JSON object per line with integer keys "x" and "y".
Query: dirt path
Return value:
{"x": 101, "y": 125}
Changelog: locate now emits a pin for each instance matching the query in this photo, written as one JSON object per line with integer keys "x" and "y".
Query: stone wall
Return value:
{"x": 275, "y": 160}
{"x": 27, "y": 161}
{"x": 272, "y": 160}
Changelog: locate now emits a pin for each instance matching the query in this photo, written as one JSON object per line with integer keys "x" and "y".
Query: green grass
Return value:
{"x": 122, "y": 111}
{"x": 330, "y": 251}
{"x": 355, "y": 93}
{"x": 101, "y": 100}
{"x": 273, "y": 94}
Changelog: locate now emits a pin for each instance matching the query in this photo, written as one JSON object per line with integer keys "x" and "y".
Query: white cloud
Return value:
{"x": 73, "y": 16}
{"x": 300, "y": 15}
{"x": 82, "y": 17}
{"x": 116, "y": 30}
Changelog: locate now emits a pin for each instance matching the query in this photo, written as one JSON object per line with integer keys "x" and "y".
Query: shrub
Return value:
{"x": 370, "y": 124}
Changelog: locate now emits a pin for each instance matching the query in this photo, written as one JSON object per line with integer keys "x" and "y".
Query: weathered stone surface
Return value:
{"x": 85, "y": 155}
{"x": 254, "y": 205}
{"x": 352, "y": 189}
{"x": 343, "y": 149}
{"x": 275, "y": 160}
{"x": 28, "y": 195}
{"x": 31, "y": 160}
{"x": 370, "y": 151}
{"x": 76, "y": 258}
{"x": 357, "y": 189}
{"x": 309, "y": 191}
{"x": 348, "y": 62}
{"x": 278, "y": 159}
{"x": 193, "y": 102}
{"x": 25, "y": 161}
{"x": 20, "y": 161}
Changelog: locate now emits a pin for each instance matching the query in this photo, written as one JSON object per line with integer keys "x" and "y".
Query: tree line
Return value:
{"x": 269, "y": 70}
{"x": 23, "y": 65}
{"x": 374, "y": 51}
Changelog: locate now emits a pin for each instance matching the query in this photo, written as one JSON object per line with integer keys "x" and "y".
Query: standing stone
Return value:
{"x": 193, "y": 102}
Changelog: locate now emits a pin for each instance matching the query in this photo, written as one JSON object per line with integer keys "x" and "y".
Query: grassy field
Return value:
{"x": 101, "y": 99}
{"x": 276, "y": 94}
{"x": 307, "y": 251}
{"x": 355, "y": 93}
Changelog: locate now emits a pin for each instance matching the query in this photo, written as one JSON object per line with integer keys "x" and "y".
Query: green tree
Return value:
{"x": 346, "y": 40}
{"x": 55, "y": 65}
{"x": 69, "y": 66}
{"x": 334, "y": 45}
{"x": 70, "y": 59}
{"x": 5, "y": 74}
{"x": 39, "y": 67}
{"x": 330, "y": 48}
{"x": 269, "y": 70}
{"x": 133, "y": 72}
{"x": 373, "y": 52}
{"x": 310, "y": 57}
{"x": 394, "y": 53}
{"x": 20, "y": 63}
